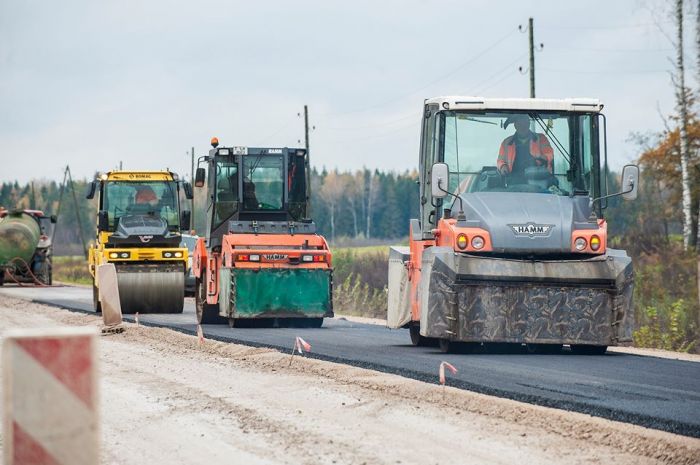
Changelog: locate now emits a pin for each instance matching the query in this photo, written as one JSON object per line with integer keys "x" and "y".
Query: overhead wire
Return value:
{"x": 588, "y": 71}
{"x": 442, "y": 77}
{"x": 489, "y": 81}
{"x": 611, "y": 27}
{"x": 282, "y": 128}
{"x": 416, "y": 115}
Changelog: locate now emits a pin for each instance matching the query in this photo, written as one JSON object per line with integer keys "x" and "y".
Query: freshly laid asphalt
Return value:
{"x": 648, "y": 391}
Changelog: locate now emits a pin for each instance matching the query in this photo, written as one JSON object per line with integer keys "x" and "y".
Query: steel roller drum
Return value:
{"x": 19, "y": 236}
{"x": 151, "y": 290}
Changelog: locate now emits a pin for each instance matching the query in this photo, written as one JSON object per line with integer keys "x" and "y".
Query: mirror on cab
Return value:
{"x": 630, "y": 182}
{"x": 53, "y": 219}
{"x": 102, "y": 220}
{"x": 185, "y": 220}
{"x": 90, "y": 191}
{"x": 188, "y": 190}
{"x": 438, "y": 180}
{"x": 199, "y": 177}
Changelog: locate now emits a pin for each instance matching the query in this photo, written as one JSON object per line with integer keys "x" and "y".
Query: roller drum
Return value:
{"x": 151, "y": 290}
{"x": 19, "y": 236}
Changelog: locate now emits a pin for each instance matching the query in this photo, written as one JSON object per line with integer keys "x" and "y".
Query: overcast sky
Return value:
{"x": 93, "y": 83}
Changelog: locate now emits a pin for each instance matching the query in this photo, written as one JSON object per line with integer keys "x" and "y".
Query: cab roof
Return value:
{"x": 133, "y": 175}
{"x": 586, "y": 105}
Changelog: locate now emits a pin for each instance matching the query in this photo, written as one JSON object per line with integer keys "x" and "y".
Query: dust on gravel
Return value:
{"x": 166, "y": 399}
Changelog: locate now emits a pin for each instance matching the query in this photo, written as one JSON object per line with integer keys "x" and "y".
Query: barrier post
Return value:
{"x": 50, "y": 397}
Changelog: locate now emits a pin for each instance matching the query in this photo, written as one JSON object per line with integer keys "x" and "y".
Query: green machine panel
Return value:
{"x": 277, "y": 292}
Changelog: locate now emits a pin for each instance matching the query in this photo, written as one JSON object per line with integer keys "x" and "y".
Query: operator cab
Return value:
{"x": 140, "y": 203}
{"x": 256, "y": 190}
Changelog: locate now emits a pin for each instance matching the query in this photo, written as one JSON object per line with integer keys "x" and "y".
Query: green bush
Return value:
{"x": 353, "y": 297}
{"x": 73, "y": 269}
{"x": 669, "y": 327}
{"x": 360, "y": 279}
{"x": 666, "y": 299}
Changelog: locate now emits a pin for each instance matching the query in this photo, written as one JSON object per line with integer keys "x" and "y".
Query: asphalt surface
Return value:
{"x": 649, "y": 391}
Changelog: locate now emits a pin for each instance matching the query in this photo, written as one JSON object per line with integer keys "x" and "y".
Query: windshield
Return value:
{"x": 543, "y": 152}
{"x": 263, "y": 183}
{"x": 157, "y": 198}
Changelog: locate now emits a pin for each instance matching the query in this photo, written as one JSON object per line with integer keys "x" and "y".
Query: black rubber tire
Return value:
{"x": 546, "y": 349}
{"x": 206, "y": 314}
{"x": 46, "y": 274}
{"x": 96, "y": 304}
{"x": 416, "y": 339}
{"x": 445, "y": 345}
{"x": 586, "y": 349}
{"x": 2, "y": 277}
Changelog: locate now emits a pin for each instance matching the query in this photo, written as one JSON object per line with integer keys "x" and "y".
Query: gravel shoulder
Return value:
{"x": 166, "y": 399}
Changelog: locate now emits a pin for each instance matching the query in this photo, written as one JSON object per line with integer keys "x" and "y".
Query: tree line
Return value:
{"x": 359, "y": 205}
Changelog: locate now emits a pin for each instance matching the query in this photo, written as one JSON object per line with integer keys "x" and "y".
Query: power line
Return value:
{"x": 416, "y": 115}
{"x": 488, "y": 81}
{"x": 612, "y": 50}
{"x": 622, "y": 26}
{"x": 370, "y": 126}
{"x": 285, "y": 126}
{"x": 588, "y": 71}
{"x": 444, "y": 76}
{"x": 495, "y": 83}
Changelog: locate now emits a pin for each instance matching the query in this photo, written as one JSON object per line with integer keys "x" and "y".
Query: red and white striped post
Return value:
{"x": 50, "y": 397}
{"x": 300, "y": 345}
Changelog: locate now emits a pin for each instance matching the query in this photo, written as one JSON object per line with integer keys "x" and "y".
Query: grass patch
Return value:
{"x": 71, "y": 269}
{"x": 361, "y": 277}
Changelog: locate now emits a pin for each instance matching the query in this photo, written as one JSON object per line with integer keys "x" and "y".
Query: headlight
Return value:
{"x": 462, "y": 241}
{"x": 595, "y": 242}
{"x": 254, "y": 258}
{"x": 167, "y": 254}
{"x": 178, "y": 254}
{"x": 113, "y": 255}
{"x": 124, "y": 255}
{"x": 307, "y": 258}
{"x": 580, "y": 243}
{"x": 478, "y": 242}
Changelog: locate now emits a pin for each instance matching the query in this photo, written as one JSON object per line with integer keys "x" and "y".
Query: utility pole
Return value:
{"x": 306, "y": 161}
{"x": 306, "y": 128}
{"x": 32, "y": 199}
{"x": 192, "y": 226}
{"x": 77, "y": 211}
{"x": 531, "y": 39}
{"x": 531, "y": 49}
{"x": 67, "y": 178}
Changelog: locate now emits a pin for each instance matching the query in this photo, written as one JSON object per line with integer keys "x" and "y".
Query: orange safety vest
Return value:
{"x": 539, "y": 148}
{"x": 145, "y": 196}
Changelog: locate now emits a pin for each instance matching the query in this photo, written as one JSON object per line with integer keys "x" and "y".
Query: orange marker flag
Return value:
{"x": 449, "y": 366}
{"x": 301, "y": 346}
{"x": 300, "y": 343}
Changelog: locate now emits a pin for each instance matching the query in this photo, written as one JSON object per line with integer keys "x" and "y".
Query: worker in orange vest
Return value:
{"x": 524, "y": 148}
{"x": 145, "y": 195}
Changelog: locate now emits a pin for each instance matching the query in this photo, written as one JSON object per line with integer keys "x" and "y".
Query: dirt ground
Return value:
{"x": 168, "y": 400}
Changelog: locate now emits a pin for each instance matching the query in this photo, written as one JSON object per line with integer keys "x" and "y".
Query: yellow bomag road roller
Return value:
{"x": 138, "y": 229}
